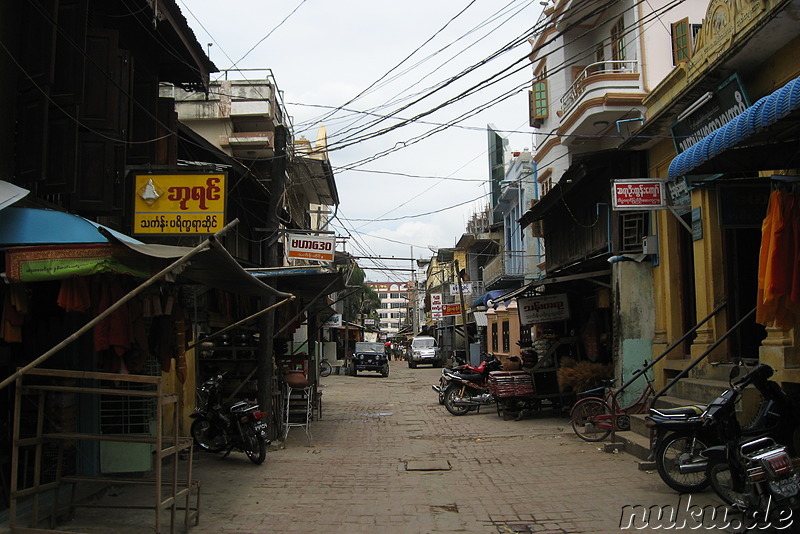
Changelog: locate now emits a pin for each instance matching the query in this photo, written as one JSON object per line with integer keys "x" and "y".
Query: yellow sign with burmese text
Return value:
{"x": 179, "y": 204}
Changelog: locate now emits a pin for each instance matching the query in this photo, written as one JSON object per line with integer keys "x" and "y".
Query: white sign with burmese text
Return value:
{"x": 543, "y": 309}
{"x": 305, "y": 247}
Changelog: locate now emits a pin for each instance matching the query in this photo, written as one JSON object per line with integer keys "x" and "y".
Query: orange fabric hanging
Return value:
{"x": 778, "y": 298}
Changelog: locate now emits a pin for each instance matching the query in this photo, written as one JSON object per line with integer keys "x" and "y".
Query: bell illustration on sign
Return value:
{"x": 150, "y": 192}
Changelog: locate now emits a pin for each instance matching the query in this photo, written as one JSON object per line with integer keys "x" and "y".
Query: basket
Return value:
{"x": 510, "y": 384}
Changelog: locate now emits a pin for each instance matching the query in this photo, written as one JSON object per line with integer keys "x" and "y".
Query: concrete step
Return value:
{"x": 699, "y": 390}
{"x": 635, "y": 445}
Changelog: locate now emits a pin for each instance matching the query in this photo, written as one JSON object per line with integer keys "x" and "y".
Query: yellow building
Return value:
{"x": 721, "y": 128}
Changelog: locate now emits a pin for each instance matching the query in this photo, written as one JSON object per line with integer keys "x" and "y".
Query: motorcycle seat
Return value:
{"x": 680, "y": 410}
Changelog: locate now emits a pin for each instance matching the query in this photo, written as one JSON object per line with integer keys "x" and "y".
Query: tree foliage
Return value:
{"x": 362, "y": 302}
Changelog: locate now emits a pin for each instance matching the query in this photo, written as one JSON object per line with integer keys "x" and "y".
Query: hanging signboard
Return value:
{"x": 320, "y": 248}
{"x": 449, "y": 310}
{"x": 543, "y": 309}
{"x": 466, "y": 289}
{"x": 334, "y": 321}
{"x": 436, "y": 305}
{"x": 641, "y": 194}
{"x": 179, "y": 204}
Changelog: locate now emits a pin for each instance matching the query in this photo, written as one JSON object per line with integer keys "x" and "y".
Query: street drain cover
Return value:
{"x": 428, "y": 465}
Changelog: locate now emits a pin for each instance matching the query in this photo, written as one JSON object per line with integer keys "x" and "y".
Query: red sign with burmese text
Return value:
{"x": 642, "y": 194}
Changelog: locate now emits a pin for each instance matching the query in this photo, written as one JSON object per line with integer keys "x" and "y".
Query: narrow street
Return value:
{"x": 532, "y": 475}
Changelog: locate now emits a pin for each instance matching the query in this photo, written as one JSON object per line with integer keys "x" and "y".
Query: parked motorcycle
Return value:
{"x": 468, "y": 390}
{"x": 754, "y": 473}
{"x": 448, "y": 374}
{"x": 680, "y": 435}
{"x": 223, "y": 426}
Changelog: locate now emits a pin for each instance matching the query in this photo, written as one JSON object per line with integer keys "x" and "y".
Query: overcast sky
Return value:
{"x": 341, "y": 63}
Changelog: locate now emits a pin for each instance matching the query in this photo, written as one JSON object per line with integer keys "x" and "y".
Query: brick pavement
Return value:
{"x": 532, "y": 475}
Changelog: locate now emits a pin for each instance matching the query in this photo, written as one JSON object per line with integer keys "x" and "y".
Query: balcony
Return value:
{"x": 504, "y": 269}
{"x": 602, "y": 93}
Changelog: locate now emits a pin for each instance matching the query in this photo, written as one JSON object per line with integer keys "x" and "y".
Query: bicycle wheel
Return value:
{"x": 583, "y": 423}
{"x": 324, "y": 368}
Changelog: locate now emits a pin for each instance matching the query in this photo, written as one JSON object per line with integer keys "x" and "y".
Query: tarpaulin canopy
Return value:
{"x": 36, "y": 226}
{"x": 10, "y": 193}
{"x": 52, "y": 245}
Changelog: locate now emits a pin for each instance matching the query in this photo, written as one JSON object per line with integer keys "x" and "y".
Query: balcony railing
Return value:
{"x": 505, "y": 264}
{"x": 599, "y": 70}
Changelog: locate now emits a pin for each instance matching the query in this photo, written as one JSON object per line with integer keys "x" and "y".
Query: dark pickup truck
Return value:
{"x": 369, "y": 357}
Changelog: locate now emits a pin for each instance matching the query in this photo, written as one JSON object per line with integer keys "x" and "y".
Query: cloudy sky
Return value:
{"x": 405, "y": 185}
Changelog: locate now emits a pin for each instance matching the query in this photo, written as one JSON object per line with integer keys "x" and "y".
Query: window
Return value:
{"x": 683, "y": 38}
{"x": 618, "y": 40}
{"x": 599, "y": 57}
{"x": 494, "y": 337}
{"x": 681, "y": 42}
{"x": 633, "y": 227}
{"x": 383, "y": 296}
{"x": 538, "y": 101}
{"x": 506, "y": 337}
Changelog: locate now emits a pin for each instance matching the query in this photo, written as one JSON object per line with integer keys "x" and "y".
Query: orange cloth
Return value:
{"x": 73, "y": 295}
{"x": 778, "y": 298}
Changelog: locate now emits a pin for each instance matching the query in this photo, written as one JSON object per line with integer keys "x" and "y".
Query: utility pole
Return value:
{"x": 266, "y": 364}
{"x": 463, "y": 311}
{"x": 414, "y": 307}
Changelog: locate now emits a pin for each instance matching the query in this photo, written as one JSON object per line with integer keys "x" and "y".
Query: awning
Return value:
{"x": 10, "y": 193}
{"x": 306, "y": 280}
{"x": 214, "y": 267}
{"x": 487, "y": 298}
{"x": 764, "y": 113}
{"x": 35, "y": 226}
{"x": 559, "y": 279}
{"x": 53, "y": 245}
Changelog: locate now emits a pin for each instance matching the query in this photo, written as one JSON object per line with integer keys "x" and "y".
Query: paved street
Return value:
{"x": 532, "y": 475}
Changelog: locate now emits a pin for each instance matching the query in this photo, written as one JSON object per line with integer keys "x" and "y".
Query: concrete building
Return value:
{"x": 593, "y": 67}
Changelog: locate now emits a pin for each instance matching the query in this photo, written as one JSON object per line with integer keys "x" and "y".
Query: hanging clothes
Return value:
{"x": 15, "y": 307}
{"x": 778, "y": 297}
{"x": 74, "y": 294}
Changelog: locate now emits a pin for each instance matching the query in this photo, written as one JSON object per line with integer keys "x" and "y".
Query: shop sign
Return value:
{"x": 697, "y": 224}
{"x": 466, "y": 289}
{"x": 679, "y": 197}
{"x": 449, "y": 310}
{"x": 711, "y": 111}
{"x": 369, "y": 322}
{"x": 320, "y": 248}
{"x": 642, "y": 194}
{"x": 543, "y": 309}
{"x": 436, "y": 305}
{"x": 334, "y": 321}
{"x": 179, "y": 204}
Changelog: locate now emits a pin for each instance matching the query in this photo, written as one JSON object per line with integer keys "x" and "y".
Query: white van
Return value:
{"x": 424, "y": 350}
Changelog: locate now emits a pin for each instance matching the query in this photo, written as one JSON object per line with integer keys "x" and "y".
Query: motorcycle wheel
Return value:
{"x": 206, "y": 436}
{"x": 718, "y": 473}
{"x": 672, "y": 451}
{"x": 253, "y": 446}
{"x": 581, "y": 416}
{"x": 451, "y": 394}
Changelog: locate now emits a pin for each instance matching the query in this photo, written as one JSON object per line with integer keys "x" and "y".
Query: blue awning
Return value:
{"x": 765, "y": 112}
{"x": 34, "y": 226}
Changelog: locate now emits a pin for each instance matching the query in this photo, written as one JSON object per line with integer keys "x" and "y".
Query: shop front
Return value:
{"x": 80, "y": 298}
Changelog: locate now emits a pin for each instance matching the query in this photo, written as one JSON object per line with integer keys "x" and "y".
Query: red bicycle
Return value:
{"x": 593, "y": 418}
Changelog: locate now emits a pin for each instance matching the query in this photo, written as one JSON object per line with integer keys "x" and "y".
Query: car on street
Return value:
{"x": 368, "y": 357}
{"x": 423, "y": 349}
